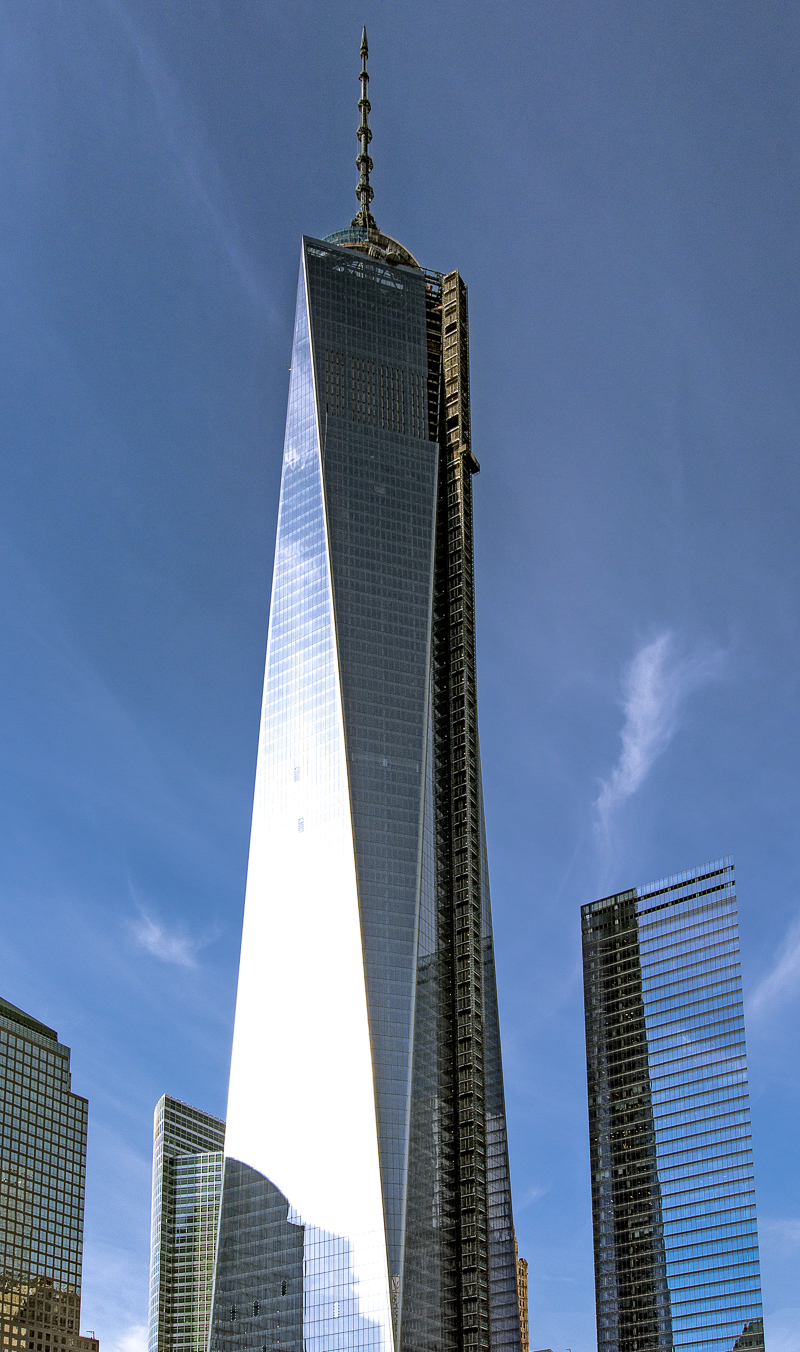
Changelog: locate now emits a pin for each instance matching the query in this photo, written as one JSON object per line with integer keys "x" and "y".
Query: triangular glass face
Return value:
{"x": 301, "y": 1127}
{"x": 369, "y": 345}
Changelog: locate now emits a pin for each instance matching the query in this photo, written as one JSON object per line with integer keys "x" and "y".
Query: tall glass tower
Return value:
{"x": 187, "y": 1182}
{"x": 673, "y": 1197}
{"x": 366, "y": 1199}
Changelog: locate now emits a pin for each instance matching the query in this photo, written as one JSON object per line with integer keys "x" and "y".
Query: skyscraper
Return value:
{"x": 187, "y": 1182}
{"x": 366, "y": 1198}
{"x": 673, "y": 1200}
{"x": 42, "y": 1181}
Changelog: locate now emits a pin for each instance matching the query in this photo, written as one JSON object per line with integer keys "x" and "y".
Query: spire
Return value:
{"x": 364, "y": 193}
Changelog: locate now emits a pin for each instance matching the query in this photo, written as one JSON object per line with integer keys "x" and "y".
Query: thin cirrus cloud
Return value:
{"x": 782, "y": 1234}
{"x": 532, "y": 1195}
{"x": 782, "y": 983}
{"x": 656, "y": 685}
{"x": 189, "y": 150}
{"x": 179, "y": 950}
{"x": 782, "y": 1330}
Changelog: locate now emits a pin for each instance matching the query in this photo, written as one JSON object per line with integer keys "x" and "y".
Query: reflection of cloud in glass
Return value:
{"x": 280, "y": 1283}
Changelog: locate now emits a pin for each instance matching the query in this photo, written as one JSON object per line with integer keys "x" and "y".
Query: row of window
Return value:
{"x": 237, "y": 1313}
{"x": 365, "y": 391}
{"x": 632, "y": 944}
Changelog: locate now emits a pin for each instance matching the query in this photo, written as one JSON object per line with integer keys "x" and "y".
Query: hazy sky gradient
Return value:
{"x": 618, "y": 183}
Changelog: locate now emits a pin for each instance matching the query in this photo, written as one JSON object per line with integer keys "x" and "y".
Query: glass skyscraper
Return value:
{"x": 673, "y": 1199}
{"x": 42, "y": 1182}
{"x": 366, "y": 1199}
{"x": 187, "y": 1182}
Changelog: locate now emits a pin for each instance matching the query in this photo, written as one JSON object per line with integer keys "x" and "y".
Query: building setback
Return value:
{"x": 42, "y": 1182}
{"x": 187, "y": 1181}
{"x": 673, "y": 1200}
{"x": 366, "y": 1198}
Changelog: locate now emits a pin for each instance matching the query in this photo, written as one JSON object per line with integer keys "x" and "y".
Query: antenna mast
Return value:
{"x": 364, "y": 191}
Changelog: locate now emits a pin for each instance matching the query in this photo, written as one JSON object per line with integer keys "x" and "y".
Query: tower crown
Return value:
{"x": 363, "y": 233}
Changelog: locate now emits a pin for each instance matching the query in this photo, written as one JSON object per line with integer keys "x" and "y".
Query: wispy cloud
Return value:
{"x": 783, "y": 981}
{"x": 115, "y": 1292}
{"x": 168, "y": 946}
{"x": 532, "y": 1195}
{"x": 783, "y": 1235}
{"x": 655, "y": 686}
{"x": 782, "y": 1330}
{"x": 190, "y": 151}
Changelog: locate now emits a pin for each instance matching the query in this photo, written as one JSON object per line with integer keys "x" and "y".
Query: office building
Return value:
{"x": 366, "y": 1198}
{"x": 187, "y": 1182}
{"x": 673, "y": 1200}
{"x": 42, "y": 1182}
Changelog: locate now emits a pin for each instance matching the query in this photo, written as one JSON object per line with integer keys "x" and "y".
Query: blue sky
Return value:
{"x": 618, "y": 183}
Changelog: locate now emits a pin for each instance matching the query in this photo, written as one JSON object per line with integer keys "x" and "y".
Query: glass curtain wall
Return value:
{"x": 302, "y": 1098}
{"x": 42, "y": 1181}
{"x": 352, "y": 1214}
{"x": 675, "y": 1238}
{"x": 187, "y": 1182}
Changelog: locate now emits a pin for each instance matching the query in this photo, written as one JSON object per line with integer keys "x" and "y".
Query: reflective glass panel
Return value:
{"x": 187, "y": 1181}
{"x": 339, "y": 1222}
{"x": 301, "y": 1143}
{"x": 676, "y": 1246}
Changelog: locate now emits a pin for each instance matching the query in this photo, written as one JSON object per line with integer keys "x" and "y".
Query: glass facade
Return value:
{"x": 361, "y": 1206}
{"x": 187, "y": 1182}
{"x": 675, "y": 1238}
{"x": 42, "y": 1181}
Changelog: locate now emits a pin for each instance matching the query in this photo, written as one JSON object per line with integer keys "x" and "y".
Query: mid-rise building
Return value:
{"x": 187, "y": 1181}
{"x": 366, "y": 1198}
{"x": 42, "y": 1189}
{"x": 673, "y": 1196}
